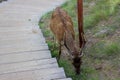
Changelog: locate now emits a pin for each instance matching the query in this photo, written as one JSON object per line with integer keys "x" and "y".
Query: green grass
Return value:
{"x": 107, "y": 28}
{"x": 101, "y": 11}
{"x": 2, "y": 0}
{"x": 102, "y": 50}
{"x": 112, "y": 48}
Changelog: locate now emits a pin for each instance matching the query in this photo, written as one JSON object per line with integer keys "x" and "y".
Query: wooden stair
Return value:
{"x": 24, "y": 54}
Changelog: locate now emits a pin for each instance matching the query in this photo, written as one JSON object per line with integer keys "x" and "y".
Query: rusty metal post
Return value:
{"x": 80, "y": 21}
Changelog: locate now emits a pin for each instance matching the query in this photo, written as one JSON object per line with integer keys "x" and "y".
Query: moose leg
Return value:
{"x": 59, "y": 52}
{"x": 54, "y": 43}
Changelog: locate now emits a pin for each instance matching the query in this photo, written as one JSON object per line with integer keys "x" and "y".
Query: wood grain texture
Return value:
{"x": 24, "y": 54}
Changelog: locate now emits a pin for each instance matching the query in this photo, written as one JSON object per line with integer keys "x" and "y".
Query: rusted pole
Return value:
{"x": 80, "y": 21}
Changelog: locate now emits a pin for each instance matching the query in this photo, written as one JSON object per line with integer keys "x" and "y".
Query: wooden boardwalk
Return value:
{"x": 24, "y": 54}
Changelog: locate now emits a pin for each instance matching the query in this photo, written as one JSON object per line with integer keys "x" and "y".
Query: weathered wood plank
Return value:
{"x": 28, "y": 65}
{"x": 65, "y": 79}
{"x": 21, "y": 48}
{"x": 23, "y": 41}
{"x": 37, "y": 3}
{"x": 24, "y": 56}
{"x": 29, "y": 37}
{"x": 35, "y": 74}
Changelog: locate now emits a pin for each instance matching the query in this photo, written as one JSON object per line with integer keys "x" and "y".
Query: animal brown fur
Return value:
{"x": 62, "y": 27}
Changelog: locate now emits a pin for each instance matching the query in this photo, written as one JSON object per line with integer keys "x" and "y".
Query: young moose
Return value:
{"x": 62, "y": 27}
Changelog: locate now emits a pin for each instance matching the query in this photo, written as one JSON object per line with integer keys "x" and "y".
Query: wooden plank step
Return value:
{"x": 21, "y": 48}
{"x": 12, "y": 28}
{"x": 22, "y": 18}
{"x": 16, "y": 12}
{"x": 27, "y": 41}
{"x": 34, "y": 30}
{"x": 52, "y": 76}
{"x": 18, "y": 24}
{"x": 22, "y": 37}
{"x": 33, "y": 10}
{"x": 31, "y": 40}
{"x": 37, "y": 74}
{"x": 40, "y": 46}
{"x": 22, "y": 7}
{"x": 10, "y": 22}
{"x": 20, "y": 33}
{"x": 21, "y": 10}
{"x": 42, "y": 3}
{"x": 24, "y": 56}
{"x": 65, "y": 79}
{"x": 27, "y": 29}
{"x": 30, "y": 37}
{"x": 28, "y": 65}
{"x": 15, "y": 24}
